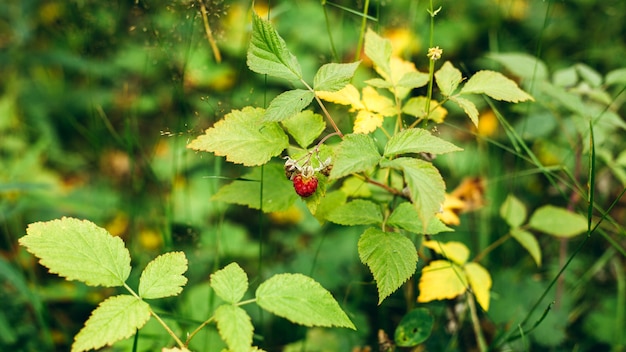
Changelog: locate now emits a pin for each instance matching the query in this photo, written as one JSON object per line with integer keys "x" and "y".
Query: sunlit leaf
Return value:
{"x": 480, "y": 282}
{"x": 417, "y": 140}
{"x": 305, "y": 127}
{"x": 416, "y": 107}
{"x": 495, "y": 85}
{"x": 357, "y": 212}
{"x": 268, "y": 53}
{"x": 163, "y": 276}
{"x": 529, "y": 242}
{"x": 348, "y": 95}
{"x": 470, "y": 108}
{"x": 288, "y": 104}
{"x": 230, "y": 283}
{"x": 243, "y": 138}
{"x": 558, "y": 222}
{"x": 115, "y": 319}
{"x": 375, "y": 102}
{"x": 79, "y": 250}
{"x": 441, "y": 279}
{"x": 333, "y": 77}
{"x": 390, "y": 256}
{"x": 448, "y": 78}
{"x": 235, "y": 327}
{"x": 367, "y": 122}
{"x": 356, "y": 153}
{"x": 405, "y": 217}
{"x": 379, "y": 50}
{"x": 513, "y": 211}
{"x": 301, "y": 300}
{"x": 454, "y": 251}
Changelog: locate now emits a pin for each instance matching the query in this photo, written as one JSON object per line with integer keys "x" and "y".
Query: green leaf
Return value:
{"x": 163, "y": 276}
{"x": 305, "y": 127}
{"x": 616, "y": 77}
{"x": 513, "y": 211}
{"x": 333, "y": 77}
{"x": 278, "y": 192}
{"x": 448, "y": 78}
{"x": 301, "y": 300}
{"x": 379, "y": 51}
{"x": 495, "y": 85}
{"x": 235, "y": 327}
{"x": 268, "y": 53}
{"x": 529, "y": 242}
{"x": 417, "y": 140}
{"x": 79, "y": 250}
{"x": 414, "y": 328}
{"x": 558, "y": 222}
{"x": 467, "y": 106}
{"x": 288, "y": 104}
{"x": 115, "y": 319}
{"x": 416, "y": 107}
{"x": 230, "y": 283}
{"x": 356, "y": 153}
{"x": 243, "y": 138}
{"x": 405, "y": 217}
{"x": 356, "y": 212}
{"x": 522, "y": 65}
{"x": 589, "y": 75}
{"x": 329, "y": 203}
{"x": 425, "y": 184}
{"x": 391, "y": 257}
{"x": 413, "y": 80}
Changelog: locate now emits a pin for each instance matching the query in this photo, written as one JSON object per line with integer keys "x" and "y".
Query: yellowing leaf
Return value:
{"x": 377, "y": 103}
{"x": 480, "y": 282}
{"x": 450, "y": 208}
{"x": 441, "y": 279}
{"x": 454, "y": 251}
{"x": 367, "y": 122}
{"x": 348, "y": 95}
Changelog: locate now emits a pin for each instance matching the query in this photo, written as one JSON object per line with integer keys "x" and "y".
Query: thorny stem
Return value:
{"x": 209, "y": 33}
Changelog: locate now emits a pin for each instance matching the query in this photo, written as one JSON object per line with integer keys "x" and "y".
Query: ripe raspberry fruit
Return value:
{"x": 304, "y": 186}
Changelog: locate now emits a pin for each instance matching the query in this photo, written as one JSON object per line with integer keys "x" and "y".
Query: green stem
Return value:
{"x": 333, "y": 50}
{"x": 480, "y": 339}
{"x": 357, "y": 55}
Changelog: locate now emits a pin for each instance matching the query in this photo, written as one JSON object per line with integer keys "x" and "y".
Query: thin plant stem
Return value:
{"x": 333, "y": 50}
{"x": 209, "y": 33}
{"x": 357, "y": 54}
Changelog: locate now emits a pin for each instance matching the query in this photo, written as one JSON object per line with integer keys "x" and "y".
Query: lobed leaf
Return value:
{"x": 417, "y": 140}
{"x": 230, "y": 283}
{"x": 356, "y": 153}
{"x": 301, "y": 300}
{"x": 79, "y": 250}
{"x": 288, "y": 104}
{"x": 268, "y": 53}
{"x": 115, "y": 319}
{"x": 448, "y": 78}
{"x": 333, "y": 77}
{"x": 391, "y": 257}
{"x": 356, "y": 212}
{"x": 441, "y": 279}
{"x": 480, "y": 282}
{"x": 163, "y": 276}
{"x": 235, "y": 327}
{"x": 558, "y": 222}
{"x": 305, "y": 127}
{"x": 495, "y": 85}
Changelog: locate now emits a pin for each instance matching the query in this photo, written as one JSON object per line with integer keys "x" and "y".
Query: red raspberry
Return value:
{"x": 304, "y": 186}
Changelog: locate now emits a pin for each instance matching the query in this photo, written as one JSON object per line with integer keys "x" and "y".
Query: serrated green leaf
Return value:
{"x": 417, "y": 140}
{"x": 529, "y": 242}
{"x": 470, "y": 108}
{"x": 115, "y": 319}
{"x": 495, "y": 85}
{"x": 448, "y": 78}
{"x": 243, "y": 138}
{"x": 425, "y": 184}
{"x": 278, "y": 192}
{"x": 379, "y": 83}
{"x": 414, "y": 328}
{"x": 356, "y": 153}
{"x": 405, "y": 217}
{"x": 513, "y": 211}
{"x": 268, "y": 53}
{"x": 79, "y": 250}
{"x": 522, "y": 65}
{"x": 558, "y": 222}
{"x": 379, "y": 50}
{"x": 288, "y": 104}
{"x": 235, "y": 327}
{"x": 390, "y": 256}
{"x": 333, "y": 77}
{"x": 305, "y": 127}
{"x": 301, "y": 300}
{"x": 163, "y": 276}
{"x": 230, "y": 283}
{"x": 416, "y": 107}
{"x": 413, "y": 80}
{"x": 357, "y": 212}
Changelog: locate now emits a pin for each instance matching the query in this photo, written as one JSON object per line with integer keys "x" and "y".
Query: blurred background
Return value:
{"x": 98, "y": 100}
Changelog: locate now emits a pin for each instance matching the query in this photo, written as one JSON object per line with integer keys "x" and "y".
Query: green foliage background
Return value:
{"x": 99, "y": 99}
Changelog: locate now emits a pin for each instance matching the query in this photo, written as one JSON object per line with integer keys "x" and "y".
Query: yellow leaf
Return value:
{"x": 367, "y": 122}
{"x": 375, "y": 102}
{"x": 450, "y": 210}
{"x": 454, "y": 251}
{"x": 441, "y": 279}
{"x": 480, "y": 282}
{"x": 349, "y": 95}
